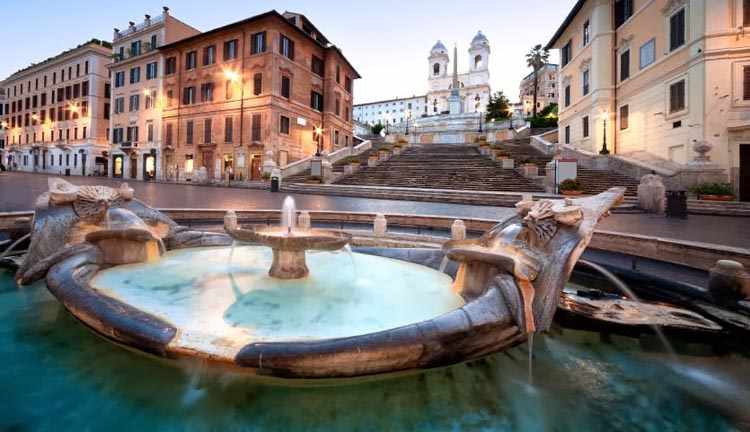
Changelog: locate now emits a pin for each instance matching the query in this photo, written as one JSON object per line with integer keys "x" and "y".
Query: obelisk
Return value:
{"x": 454, "y": 100}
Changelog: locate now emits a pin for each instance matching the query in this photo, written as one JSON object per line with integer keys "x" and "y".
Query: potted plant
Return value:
{"x": 571, "y": 187}
{"x": 713, "y": 191}
{"x": 314, "y": 179}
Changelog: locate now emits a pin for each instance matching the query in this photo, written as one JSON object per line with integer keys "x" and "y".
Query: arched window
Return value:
{"x": 436, "y": 69}
{"x": 477, "y": 61}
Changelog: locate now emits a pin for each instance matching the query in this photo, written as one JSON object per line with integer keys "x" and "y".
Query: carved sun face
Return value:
{"x": 93, "y": 201}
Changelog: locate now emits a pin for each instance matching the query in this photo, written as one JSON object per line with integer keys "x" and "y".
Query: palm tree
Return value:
{"x": 536, "y": 59}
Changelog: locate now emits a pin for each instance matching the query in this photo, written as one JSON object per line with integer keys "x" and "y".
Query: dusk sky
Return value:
{"x": 387, "y": 41}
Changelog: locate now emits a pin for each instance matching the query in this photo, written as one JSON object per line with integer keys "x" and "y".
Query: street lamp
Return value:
{"x": 387, "y": 123}
{"x": 605, "y": 150}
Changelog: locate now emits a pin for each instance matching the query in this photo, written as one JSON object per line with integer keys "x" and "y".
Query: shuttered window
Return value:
{"x": 677, "y": 30}
{"x": 286, "y": 85}
{"x": 746, "y": 13}
{"x": 746, "y": 82}
{"x": 624, "y": 117}
{"x": 256, "y": 127}
{"x": 677, "y": 97}
{"x": 625, "y": 65}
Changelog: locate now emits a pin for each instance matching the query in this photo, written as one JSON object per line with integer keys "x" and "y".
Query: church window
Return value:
{"x": 477, "y": 61}
{"x": 436, "y": 69}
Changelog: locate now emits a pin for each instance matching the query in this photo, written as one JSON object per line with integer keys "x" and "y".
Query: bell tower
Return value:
{"x": 479, "y": 53}
{"x": 438, "y": 61}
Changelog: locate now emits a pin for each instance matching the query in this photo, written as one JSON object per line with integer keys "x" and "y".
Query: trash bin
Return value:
{"x": 67, "y": 172}
{"x": 676, "y": 204}
{"x": 275, "y": 180}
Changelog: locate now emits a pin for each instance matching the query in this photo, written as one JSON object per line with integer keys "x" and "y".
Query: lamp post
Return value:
{"x": 387, "y": 123}
{"x": 605, "y": 150}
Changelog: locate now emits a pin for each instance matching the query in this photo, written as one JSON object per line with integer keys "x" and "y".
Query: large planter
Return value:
{"x": 571, "y": 192}
{"x": 723, "y": 198}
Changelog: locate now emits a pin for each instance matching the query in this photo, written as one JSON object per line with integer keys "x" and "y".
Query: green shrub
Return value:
{"x": 571, "y": 185}
{"x": 712, "y": 189}
{"x": 542, "y": 122}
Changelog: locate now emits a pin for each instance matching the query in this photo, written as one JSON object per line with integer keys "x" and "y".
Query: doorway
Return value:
{"x": 255, "y": 168}
{"x": 117, "y": 166}
{"x": 208, "y": 163}
{"x": 134, "y": 166}
{"x": 744, "y": 172}
{"x": 149, "y": 166}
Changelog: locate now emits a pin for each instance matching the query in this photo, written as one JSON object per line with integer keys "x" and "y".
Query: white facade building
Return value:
{"x": 58, "y": 113}
{"x": 391, "y": 111}
{"x": 137, "y": 73}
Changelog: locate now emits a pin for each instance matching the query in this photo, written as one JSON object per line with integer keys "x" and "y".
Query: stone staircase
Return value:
{"x": 442, "y": 166}
{"x": 338, "y": 167}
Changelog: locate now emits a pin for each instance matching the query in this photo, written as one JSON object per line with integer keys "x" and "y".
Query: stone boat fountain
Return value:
{"x": 137, "y": 278}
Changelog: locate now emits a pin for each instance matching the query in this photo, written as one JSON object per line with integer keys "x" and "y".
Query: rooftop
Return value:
{"x": 93, "y": 41}
{"x": 576, "y": 8}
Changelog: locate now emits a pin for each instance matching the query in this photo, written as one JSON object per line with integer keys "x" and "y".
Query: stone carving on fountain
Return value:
{"x": 69, "y": 219}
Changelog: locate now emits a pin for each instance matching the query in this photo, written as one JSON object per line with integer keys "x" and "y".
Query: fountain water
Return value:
{"x": 288, "y": 214}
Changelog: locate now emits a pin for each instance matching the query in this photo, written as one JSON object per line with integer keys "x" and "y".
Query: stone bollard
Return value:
{"x": 458, "y": 230}
{"x": 230, "y": 220}
{"x": 380, "y": 226}
{"x": 303, "y": 221}
{"x": 729, "y": 282}
{"x": 652, "y": 194}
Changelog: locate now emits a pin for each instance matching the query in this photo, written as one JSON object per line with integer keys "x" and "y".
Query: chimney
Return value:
{"x": 166, "y": 10}
{"x": 131, "y": 24}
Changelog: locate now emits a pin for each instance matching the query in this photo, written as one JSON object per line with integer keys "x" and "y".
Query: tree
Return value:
{"x": 536, "y": 59}
{"x": 498, "y": 107}
{"x": 377, "y": 128}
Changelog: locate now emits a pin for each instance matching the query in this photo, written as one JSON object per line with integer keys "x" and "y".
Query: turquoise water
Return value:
{"x": 56, "y": 376}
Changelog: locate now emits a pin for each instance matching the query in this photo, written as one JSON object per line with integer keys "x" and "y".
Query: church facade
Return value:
{"x": 473, "y": 85}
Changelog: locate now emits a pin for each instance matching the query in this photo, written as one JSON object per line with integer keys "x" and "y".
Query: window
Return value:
{"x": 135, "y": 48}
{"x": 746, "y": 82}
{"x": 84, "y": 91}
{"x": 338, "y": 74}
{"x": 256, "y": 132}
{"x": 207, "y": 133}
{"x": 188, "y": 96}
{"x": 189, "y": 132}
{"x": 337, "y": 105}
{"x": 586, "y": 33}
{"x": 230, "y": 50}
{"x": 209, "y": 55}
{"x": 258, "y": 43}
{"x": 746, "y": 13}
{"x": 153, "y": 42}
{"x": 119, "y": 80}
{"x": 151, "y": 70}
{"x": 170, "y": 65}
{"x": 257, "y": 83}
{"x": 436, "y": 69}
{"x": 148, "y": 101}
{"x": 107, "y": 91}
{"x": 134, "y": 102}
{"x": 586, "y": 127}
{"x": 624, "y": 117}
{"x": 647, "y": 53}
{"x": 677, "y": 30}
{"x": 228, "y": 132}
{"x": 119, "y": 106}
{"x": 316, "y": 101}
{"x": 677, "y": 97}
{"x": 286, "y": 47}
{"x": 286, "y": 85}
{"x": 207, "y": 92}
{"x": 567, "y": 134}
{"x": 284, "y": 125}
{"x": 586, "y": 78}
{"x": 169, "y": 135}
{"x": 625, "y": 65}
{"x": 131, "y": 134}
{"x": 348, "y": 84}
{"x": 150, "y": 132}
{"x": 566, "y": 53}
{"x": 567, "y": 95}
{"x": 106, "y": 111}
{"x": 191, "y": 60}
{"x": 117, "y": 135}
{"x": 317, "y": 66}
{"x": 135, "y": 75}
{"x": 623, "y": 11}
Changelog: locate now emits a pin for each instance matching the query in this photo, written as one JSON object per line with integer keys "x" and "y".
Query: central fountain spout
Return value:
{"x": 289, "y": 245}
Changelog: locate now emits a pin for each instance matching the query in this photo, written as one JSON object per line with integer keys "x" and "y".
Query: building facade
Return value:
{"x": 392, "y": 111}
{"x": 663, "y": 77}
{"x": 137, "y": 72}
{"x": 270, "y": 86}
{"x": 4, "y": 107}
{"x": 58, "y": 113}
{"x": 474, "y": 84}
{"x": 546, "y": 90}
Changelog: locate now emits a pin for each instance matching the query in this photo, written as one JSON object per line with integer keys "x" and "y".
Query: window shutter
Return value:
{"x": 746, "y": 82}
{"x": 746, "y": 13}
{"x": 291, "y": 49}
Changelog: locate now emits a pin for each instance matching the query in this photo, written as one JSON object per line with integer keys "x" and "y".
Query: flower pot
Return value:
{"x": 716, "y": 197}
{"x": 571, "y": 192}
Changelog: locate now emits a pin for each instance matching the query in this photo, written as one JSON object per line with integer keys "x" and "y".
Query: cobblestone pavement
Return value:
{"x": 19, "y": 190}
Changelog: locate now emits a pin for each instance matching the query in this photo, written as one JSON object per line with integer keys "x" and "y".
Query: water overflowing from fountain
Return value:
{"x": 625, "y": 289}
{"x": 444, "y": 264}
{"x": 348, "y": 250}
{"x": 531, "y": 359}
{"x": 288, "y": 214}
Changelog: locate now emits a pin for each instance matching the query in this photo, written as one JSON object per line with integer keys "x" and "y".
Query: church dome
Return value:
{"x": 439, "y": 48}
{"x": 480, "y": 40}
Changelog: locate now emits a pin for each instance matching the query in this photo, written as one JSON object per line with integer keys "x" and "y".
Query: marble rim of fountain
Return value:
{"x": 295, "y": 240}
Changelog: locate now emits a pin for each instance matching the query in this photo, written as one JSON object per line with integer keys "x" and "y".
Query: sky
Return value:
{"x": 387, "y": 41}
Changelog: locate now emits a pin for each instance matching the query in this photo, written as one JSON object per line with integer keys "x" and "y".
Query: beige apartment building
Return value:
{"x": 56, "y": 113}
{"x": 137, "y": 72}
{"x": 666, "y": 77}
{"x": 546, "y": 90}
